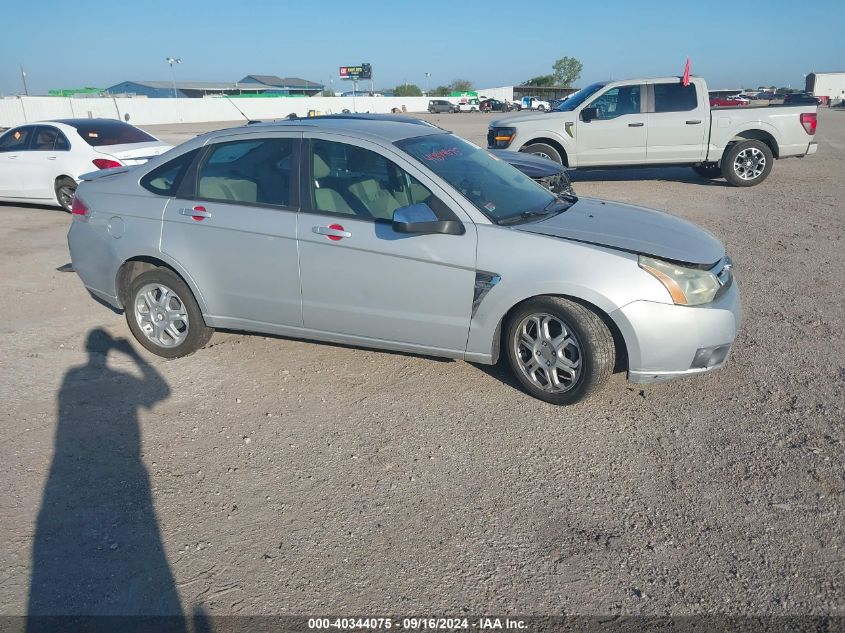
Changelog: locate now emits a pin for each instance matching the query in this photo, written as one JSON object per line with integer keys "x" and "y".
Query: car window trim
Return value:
{"x": 187, "y": 190}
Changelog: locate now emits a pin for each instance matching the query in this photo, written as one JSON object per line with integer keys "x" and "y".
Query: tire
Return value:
{"x": 742, "y": 166}
{"x": 148, "y": 288}
{"x": 708, "y": 170}
{"x": 569, "y": 338}
{"x": 546, "y": 151}
{"x": 65, "y": 189}
{"x": 541, "y": 108}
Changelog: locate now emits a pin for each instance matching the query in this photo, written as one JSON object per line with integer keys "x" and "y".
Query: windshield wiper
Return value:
{"x": 560, "y": 204}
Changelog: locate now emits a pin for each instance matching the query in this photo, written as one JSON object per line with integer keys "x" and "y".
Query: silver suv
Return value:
{"x": 400, "y": 236}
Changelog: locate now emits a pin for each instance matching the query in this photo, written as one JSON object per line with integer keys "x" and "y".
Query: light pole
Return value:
{"x": 427, "y": 77}
{"x": 171, "y": 61}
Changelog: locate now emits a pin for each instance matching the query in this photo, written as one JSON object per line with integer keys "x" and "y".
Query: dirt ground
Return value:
{"x": 272, "y": 476}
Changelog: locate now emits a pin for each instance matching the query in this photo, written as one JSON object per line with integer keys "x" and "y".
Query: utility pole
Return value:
{"x": 427, "y": 77}
{"x": 23, "y": 76}
{"x": 171, "y": 61}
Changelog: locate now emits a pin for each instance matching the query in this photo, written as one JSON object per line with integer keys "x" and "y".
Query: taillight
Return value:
{"x": 106, "y": 163}
{"x": 808, "y": 120}
{"x": 78, "y": 209}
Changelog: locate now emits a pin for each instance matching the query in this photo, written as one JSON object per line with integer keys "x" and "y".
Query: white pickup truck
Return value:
{"x": 661, "y": 122}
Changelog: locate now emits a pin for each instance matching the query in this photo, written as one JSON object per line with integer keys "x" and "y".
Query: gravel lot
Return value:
{"x": 273, "y": 476}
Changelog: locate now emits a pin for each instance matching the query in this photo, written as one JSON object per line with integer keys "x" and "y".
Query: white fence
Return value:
{"x": 141, "y": 111}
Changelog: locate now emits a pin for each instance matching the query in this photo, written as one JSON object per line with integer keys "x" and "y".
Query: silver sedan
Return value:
{"x": 401, "y": 236}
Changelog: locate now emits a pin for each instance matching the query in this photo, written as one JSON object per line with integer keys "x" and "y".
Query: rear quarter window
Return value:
{"x": 165, "y": 179}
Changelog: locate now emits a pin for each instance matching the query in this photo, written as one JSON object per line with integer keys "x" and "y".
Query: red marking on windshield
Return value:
{"x": 443, "y": 154}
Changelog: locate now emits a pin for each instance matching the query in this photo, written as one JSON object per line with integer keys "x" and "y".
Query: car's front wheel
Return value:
{"x": 747, "y": 163}
{"x": 65, "y": 190}
{"x": 164, "y": 316}
{"x": 559, "y": 350}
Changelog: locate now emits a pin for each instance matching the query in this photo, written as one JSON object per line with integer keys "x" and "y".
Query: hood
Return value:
{"x": 631, "y": 228}
{"x": 134, "y": 153}
{"x": 529, "y": 164}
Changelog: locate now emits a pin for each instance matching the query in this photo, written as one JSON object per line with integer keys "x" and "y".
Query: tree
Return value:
{"x": 407, "y": 90}
{"x": 440, "y": 91}
{"x": 461, "y": 85}
{"x": 567, "y": 71}
{"x": 542, "y": 80}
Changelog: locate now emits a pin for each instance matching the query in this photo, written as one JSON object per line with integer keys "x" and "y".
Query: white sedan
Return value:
{"x": 42, "y": 162}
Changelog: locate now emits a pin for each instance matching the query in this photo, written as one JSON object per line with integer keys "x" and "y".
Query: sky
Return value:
{"x": 491, "y": 43}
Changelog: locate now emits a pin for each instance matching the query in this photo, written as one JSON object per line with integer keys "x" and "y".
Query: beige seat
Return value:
{"x": 326, "y": 198}
{"x": 231, "y": 189}
{"x": 373, "y": 196}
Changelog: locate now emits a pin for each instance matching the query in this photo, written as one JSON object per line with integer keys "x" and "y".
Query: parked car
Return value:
{"x": 661, "y": 122}
{"x": 535, "y": 103}
{"x": 553, "y": 176}
{"x": 400, "y": 236}
{"x": 494, "y": 105}
{"x": 766, "y": 96}
{"x": 469, "y": 105}
{"x": 42, "y": 162}
{"x": 441, "y": 105}
{"x": 801, "y": 98}
{"x": 729, "y": 101}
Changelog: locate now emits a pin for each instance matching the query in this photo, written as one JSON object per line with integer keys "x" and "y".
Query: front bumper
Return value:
{"x": 667, "y": 341}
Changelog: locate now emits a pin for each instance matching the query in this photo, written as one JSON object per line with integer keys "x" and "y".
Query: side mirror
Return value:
{"x": 588, "y": 114}
{"x": 420, "y": 219}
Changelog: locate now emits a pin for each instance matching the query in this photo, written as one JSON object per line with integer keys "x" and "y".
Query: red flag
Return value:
{"x": 685, "y": 80}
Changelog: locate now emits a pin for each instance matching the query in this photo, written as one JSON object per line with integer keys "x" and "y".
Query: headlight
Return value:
{"x": 500, "y": 137}
{"x": 687, "y": 286}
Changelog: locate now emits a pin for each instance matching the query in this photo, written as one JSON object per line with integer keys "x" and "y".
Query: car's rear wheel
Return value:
{"x": 708, "y": 170}
{"x": 65, "y": 190}
{"x": 559, "y": 350}
{"x": 164, "y": 316}
{"x": 747, "y": 163}
{"x": 544, "y": 151}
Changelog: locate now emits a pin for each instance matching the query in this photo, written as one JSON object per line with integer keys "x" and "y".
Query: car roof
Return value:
{"x": 383, "y": 127}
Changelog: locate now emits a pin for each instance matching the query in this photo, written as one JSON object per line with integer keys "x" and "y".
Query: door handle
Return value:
{"x": 694, "y": 122}
{"x": 334, "y": 232}
{"x": 197, "y": 213}
{"x": 51, "y": 158}
{"x": 636, "y": 124}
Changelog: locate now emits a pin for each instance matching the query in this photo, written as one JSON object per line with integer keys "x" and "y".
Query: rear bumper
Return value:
{"x": 812, "y": 148}
{"x": 666, "y": 341}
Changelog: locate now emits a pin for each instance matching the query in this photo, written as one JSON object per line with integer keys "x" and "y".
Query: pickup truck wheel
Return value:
{"x": 544, "y": 151}
{"x": 708, "y": 170}
{"x": 560, "y": 351}
{"x": 747, "y": 163}
{"x": 541, "y": 108}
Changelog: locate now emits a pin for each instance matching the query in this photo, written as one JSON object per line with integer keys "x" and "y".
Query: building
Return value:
{"x": 188, "y": 89}
{"x": 285, "y": 85}
{"x": 828, "y": 86}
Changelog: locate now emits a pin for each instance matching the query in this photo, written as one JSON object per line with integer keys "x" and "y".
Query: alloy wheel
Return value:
{"x": 548, "y": 353}
{"x": 749, "y": 163}
{"x": 161, "y": 315}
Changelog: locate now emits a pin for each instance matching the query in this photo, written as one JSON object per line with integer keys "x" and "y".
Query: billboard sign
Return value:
{"x": 362, "y": 71}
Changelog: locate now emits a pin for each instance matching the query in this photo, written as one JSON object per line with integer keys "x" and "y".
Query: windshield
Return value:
{"x": 495, "y": 188}
{"x": 577, "y": 98}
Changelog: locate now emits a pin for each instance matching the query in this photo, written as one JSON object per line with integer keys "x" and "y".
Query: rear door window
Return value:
{"x": 48, "y": 139}
{"x": 16, "y": 140}
{"x": 257, "y": 171}
{"x": 675, "y": 97}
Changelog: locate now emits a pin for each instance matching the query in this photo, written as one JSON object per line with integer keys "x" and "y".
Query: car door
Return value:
{"x": 362, "y": 279}
{"x": 43, "y": 162}
{"x": 232, "y": 227}
{"x": 678, "y": 122}
{"x": 13, "y": 145}
{"x": 618, "y": 135}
